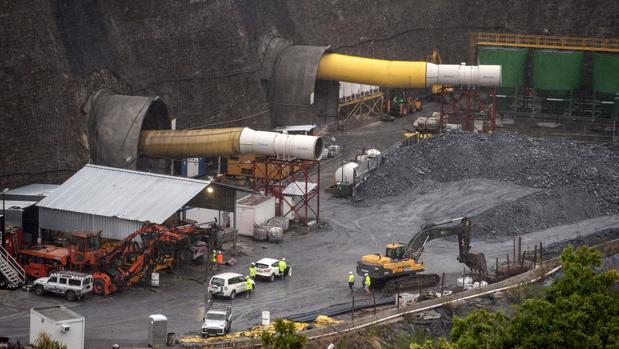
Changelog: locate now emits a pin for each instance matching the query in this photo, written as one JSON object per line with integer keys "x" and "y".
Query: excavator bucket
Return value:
{"x": 476, "y": 262}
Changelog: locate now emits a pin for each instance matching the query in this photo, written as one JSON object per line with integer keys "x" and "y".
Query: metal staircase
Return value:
{"x": 12, "y": 271}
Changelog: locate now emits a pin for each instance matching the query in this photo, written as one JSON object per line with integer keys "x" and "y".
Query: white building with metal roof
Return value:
{"x": 117, "y": 201}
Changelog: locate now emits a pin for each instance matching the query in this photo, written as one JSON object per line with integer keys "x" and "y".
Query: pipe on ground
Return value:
{"x": 226, "y": 142}
{"x": 403, "y": 74}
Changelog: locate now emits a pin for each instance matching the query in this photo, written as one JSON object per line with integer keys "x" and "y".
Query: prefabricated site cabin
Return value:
{"x": 59, "y": 323}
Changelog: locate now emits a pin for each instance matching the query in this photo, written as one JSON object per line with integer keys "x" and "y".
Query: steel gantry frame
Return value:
{"x": 572, "y": 43}
{"x": 467, "y": 105}
{"x": 302, "y": 176}
{"x": 362, "y": 104}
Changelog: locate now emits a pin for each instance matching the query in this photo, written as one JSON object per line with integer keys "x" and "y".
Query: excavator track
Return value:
{"x": 407, "y": 282}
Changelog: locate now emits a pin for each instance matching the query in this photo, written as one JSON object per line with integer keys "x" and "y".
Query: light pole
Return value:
{"x": 3, "y": 219}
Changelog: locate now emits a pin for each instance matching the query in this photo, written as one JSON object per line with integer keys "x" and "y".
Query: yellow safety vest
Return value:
{"x": 214, "y": 258}
{"x": 351, "y": 278}
{"x": 252, "y": 271}
{"x": 367, "y": 281}
{"x": 282, "y": 266}
{"x": 250, "y": 285}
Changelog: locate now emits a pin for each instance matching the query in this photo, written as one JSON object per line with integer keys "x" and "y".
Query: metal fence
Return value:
{"x": 362, "y": 171}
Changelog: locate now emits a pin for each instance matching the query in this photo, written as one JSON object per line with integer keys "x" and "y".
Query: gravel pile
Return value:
{"x": 575, "y": 181}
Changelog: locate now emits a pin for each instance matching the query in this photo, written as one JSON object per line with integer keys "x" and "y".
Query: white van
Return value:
{"x": 227, "y": 285}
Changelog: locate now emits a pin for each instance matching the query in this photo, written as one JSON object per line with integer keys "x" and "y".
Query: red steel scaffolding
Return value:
{"x": 295, "y": 184}
{"x": 467, "y": 104}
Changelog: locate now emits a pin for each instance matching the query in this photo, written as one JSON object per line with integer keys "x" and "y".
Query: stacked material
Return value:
{"x": 571, "y": 181}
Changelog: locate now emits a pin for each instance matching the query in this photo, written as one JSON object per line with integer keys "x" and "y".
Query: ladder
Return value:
{"x": 12, "y": 271}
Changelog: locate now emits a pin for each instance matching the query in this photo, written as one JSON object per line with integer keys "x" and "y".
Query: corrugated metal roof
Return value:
{"x": 130, "y": 195}
{"x": 58, "y": 313}
{"x": 33, "y": 189}
{"x": 295, "y": 128}
{"x": 16, "y": 204}
{"x": 298, "y": 188}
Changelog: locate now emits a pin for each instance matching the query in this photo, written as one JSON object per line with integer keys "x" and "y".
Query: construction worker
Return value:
{"x": 367, "y": 282}
{"x": 252, "y": 271}
{"x": 351, "y": 280}
{"x": 250, "y": 285}
{"x": 282, "y": 267}
{"x": 220, "y": 259}
{"x": 213, "y": 260}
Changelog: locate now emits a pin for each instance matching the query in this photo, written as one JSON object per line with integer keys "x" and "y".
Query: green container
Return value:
{"x": 605, "y": 73}
{"x": 513, "y": 62}
{"x": 559, "y": 71}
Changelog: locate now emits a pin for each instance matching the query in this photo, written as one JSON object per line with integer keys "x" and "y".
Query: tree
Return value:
{"x": 480, "y": 329}
{"x": 285, "y": 336}
{"x": 45, "y": 342}
{"x": 579, "y": 310}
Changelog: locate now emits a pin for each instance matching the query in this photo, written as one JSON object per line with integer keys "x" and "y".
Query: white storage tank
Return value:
{"x": 345, "y": 173}
{"x": 372, "y": 153}
{"x": 252, "y": 210}
{"x": 59, "y": 323}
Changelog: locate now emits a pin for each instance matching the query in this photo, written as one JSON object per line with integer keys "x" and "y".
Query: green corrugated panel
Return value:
{"x": 513, "y": 62}
{"x": 557, "y": 70}
{"x": 605, "y": 73}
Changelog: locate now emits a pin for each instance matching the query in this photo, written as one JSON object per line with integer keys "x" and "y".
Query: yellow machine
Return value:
{"x": 402, "y": 260}
{"x": 243, "y": 166}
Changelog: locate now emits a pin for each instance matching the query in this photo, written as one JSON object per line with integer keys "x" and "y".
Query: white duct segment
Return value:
{"x": 282, "y": 146}
{"x": 463, "y": 75}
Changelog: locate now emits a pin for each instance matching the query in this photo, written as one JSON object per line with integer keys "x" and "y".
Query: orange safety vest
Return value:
{"x": 220, "y": 258}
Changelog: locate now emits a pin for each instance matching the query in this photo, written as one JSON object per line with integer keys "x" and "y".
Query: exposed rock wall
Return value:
{"x": 202, "y": 57}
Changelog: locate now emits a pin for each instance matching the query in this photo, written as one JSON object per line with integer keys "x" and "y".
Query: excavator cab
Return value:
{"x": 85, "y": 248}
{"x": 395, "y": 251}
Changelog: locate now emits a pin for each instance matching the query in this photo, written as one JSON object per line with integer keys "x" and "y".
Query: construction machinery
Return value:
{"x": 124, "y": 263}
{"x": 401, "y": 264}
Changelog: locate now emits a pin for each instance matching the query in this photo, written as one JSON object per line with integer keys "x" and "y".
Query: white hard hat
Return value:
{"x": 283, "y": 259}
{"x": 366, "y": 274}
{"x": 350, "y": 272}
{"x": 252, "y": 263}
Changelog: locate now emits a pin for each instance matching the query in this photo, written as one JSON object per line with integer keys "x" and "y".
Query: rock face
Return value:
{"x": 573, "y": 181}
{"x": 203, "y": 57}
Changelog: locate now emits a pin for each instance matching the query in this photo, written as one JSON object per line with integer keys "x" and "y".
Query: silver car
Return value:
{"x": 217, "y": 320}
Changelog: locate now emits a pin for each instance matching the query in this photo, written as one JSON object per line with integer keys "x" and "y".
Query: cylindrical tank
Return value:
{"x": 346, "y": 173}
{"x": 372, "y": 153}
{"x": 513, "y": 62}
{"x": 605, "y": 73}
{"x": 557, "y": 70}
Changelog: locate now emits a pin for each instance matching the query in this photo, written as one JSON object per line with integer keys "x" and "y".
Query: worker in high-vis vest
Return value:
{"x": 250, "y": 286}
{"x": 213, "y": 260}
{"x": 367, "y": 282}
{"x": 252, "y": 271}
{"x": 351, "y": 280}
{"x": 220, "y": 259}
{"x": 282, "y": 267}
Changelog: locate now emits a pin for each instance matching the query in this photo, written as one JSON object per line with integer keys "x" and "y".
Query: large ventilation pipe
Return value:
{"x": 403, "y": 74}
{"x": 228, "y": 141}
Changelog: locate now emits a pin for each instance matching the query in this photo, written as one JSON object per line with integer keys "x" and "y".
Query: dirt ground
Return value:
{"x": 320, "y": 259}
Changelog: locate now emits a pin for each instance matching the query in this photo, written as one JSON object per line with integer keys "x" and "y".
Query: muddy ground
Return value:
{"x": 321, "y": 259}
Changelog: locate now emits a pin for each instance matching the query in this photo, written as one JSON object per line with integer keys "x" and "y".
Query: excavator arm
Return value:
{"x": 475, "y": 261}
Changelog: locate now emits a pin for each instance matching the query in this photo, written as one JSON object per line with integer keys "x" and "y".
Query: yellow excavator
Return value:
{"x": 401, "y": 262}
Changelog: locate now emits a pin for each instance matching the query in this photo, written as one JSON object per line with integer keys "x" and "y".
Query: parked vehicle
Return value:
{"x": 227, "y": 285}
{"x": 71, "y": 284}
{"x": 217, "y": 320}
{"x": 268, "y": 268}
